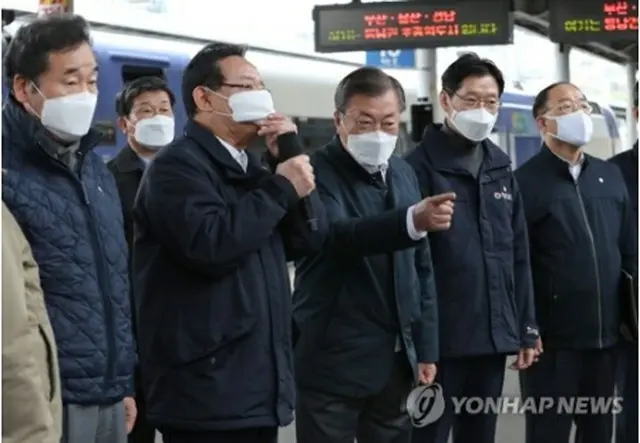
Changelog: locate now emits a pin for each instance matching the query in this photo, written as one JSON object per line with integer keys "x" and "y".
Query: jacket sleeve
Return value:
{"x": 26, "y": 415}
{"x": 364, "y": 236}
{"x": 299, "y": 240}
{"x": 190, "y": 217}
{"x": 427, "y": 338}
{"x": 522, "y": 280}
{"x": 628, "y": 241}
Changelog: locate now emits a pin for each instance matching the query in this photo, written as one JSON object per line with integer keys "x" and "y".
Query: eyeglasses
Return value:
{"x": 245, "y": 86}
{"x": 470, "y": 102}
{"x": 568, "y": 106}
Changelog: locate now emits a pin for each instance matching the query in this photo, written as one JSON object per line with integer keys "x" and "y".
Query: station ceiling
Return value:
{"x": 533, "y": 15}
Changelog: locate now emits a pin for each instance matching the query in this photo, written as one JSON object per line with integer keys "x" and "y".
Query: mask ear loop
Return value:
{"x": 44, "y": 97}
{"x": 224, "y": 97}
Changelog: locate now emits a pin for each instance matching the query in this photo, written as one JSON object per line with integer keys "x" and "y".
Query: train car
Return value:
{"x": 303, "y": 89}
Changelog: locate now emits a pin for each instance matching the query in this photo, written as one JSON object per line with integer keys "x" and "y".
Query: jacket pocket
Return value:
{"x": 50, "y": 362}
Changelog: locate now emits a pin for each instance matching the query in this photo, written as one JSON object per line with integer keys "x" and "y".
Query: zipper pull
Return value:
{"x": 85, "y": 193}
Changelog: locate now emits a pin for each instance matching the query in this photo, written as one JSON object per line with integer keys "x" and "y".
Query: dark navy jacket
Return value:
{"x": 627, "y": 161}
{"x": 74, "y": 225}
{"x": 485, "y": 299}
{"x": 356, "y": 297}
{"x": 581, "y": 236}
{"x": 212, "y": 287}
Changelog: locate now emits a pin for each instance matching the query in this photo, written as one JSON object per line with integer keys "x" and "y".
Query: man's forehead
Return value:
{"x": 239, "y": 68}
{"x": 381, "y": 106}
{"x": 149, "y": 97}
{"x": 564, "y": 92}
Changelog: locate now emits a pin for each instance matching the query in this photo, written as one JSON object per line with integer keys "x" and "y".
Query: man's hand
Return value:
{"x": 527, "y": 357}
{"x": 299, "y": 172}
{"x": 426, "y": 373}
{"x": 434, "y": 213}
{"x": 272, "y": 127}
{"x": 131, "y": 412}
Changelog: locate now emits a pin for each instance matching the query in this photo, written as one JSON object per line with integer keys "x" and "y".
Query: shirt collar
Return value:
{"x": 238, "y": 155}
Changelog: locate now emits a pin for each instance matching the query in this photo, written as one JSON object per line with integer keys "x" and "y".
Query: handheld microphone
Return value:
{"x": 289, "y": 147}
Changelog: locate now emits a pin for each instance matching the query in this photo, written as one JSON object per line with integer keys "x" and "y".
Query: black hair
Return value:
{"x": 30, "y": 48}
{"x": 470, "y": 65}
{"x": 368, "y": 81}
{"x": 540, "y": 102}
{"x": 133, "y": 89}
{"x": 204, "y": 70}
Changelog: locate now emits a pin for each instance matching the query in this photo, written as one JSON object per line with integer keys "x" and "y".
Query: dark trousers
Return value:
{"x": 627, "y": 384}
{"x": 381, "y": 418}
{"x": 257, "y": 435}
{"x": 570, "y": 374}
{"x": 142, "y": 431}
{"x": 482, "y": 377}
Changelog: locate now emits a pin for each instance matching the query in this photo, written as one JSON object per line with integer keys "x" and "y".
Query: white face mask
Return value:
{"x": 371, "y": 149}
{"x": 69, "y": 117}
{"x": 249, "y": 106}
{"x": 473, "y": 124}
{"x": 155, "y": 132}
{"x": 575, "y": 129}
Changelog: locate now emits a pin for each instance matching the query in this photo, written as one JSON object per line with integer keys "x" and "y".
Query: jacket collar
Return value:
{"x": 220, "y": 155}
{"x": 559, "y": 164}
{"x": 22, "y": 125}
{"x": 435, "y": 144}
{"x": 128, "y": 161}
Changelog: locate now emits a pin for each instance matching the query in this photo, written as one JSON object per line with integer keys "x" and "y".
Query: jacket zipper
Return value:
{"x": 595, "y": 263}
{"x": 102, "y": 281}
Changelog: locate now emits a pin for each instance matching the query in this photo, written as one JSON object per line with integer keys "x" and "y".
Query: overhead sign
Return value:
{"x": 593, "y": 21}
{"x": 405, "y": 25}
{"x": 392, "y": 58}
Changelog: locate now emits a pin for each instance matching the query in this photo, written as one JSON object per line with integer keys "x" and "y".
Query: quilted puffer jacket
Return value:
{"x": 74, "y": 225}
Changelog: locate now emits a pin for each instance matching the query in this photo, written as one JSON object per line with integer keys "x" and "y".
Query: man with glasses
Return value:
{"x": 214, "y": 230}
{"x": 365, "y": 305}
{"x": 485, "y": 300}
{"x": 145, "y": 115}
{"x": 581, "y": 239}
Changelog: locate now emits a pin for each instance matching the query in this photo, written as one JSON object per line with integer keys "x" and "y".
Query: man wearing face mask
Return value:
{"x": 365, "y": 306}
{"x": 214, "y": 231}
{"x": 627, "y": 377}
{"x": 485, "y": 302}
{"x": 145, "y": 112}
{"x": 581, "y": 237}
{"x": 66, "y": 202}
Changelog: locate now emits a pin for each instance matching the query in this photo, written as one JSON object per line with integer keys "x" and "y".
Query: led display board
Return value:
{"x": 406, "y": 25}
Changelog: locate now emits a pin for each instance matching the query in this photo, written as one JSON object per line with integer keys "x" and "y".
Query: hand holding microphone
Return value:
{"x": 299, "y": 172}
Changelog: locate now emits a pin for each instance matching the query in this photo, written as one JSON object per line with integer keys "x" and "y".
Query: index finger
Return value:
{"x": 442, "y": 198}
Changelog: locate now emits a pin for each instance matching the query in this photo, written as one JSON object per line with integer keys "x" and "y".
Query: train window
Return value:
{"x": 595, "y": 108}
{"x": 131, "y": 72}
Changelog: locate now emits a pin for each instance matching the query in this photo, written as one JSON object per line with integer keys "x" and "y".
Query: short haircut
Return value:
{"x": 204, "y": 70}
{"x": 540, "y": 102}
{"x": 30, "y": 48}
{"x": 133, "y": 89}
{"x": 470, "y": 65}
{"x": 368, "y": 81}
